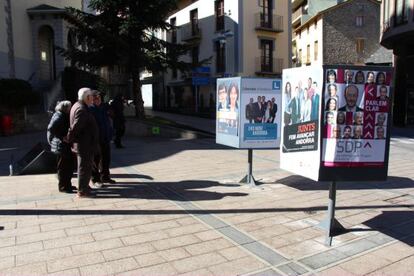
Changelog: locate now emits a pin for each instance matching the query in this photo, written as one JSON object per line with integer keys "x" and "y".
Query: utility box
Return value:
{"x": 336, "y": 122}
{"x": 248, "y": 112}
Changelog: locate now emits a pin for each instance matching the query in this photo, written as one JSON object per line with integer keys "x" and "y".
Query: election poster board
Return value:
{"x": 301, "y": 105}
{"x": 248, "y": 112}
{"x": 357, "y": 109}
{"x": 349, "y": 141}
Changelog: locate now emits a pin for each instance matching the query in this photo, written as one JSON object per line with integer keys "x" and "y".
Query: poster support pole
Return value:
{"x": 249, "y": 179}
{"x": 330, "y": 224}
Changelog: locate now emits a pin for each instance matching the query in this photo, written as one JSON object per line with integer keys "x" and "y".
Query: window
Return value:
{"x": 220, "y": 57}
{"x": 266, "y": 57}
{"x": 308, "y": 58}
{"x": 402, "y": 8}
{"x": 300, "y": 56}
{"x": 219, "y": 8}
{"x": 360, "y": 45}
{"x": 173, "y": 22}
{"x": 315, "y": 51}
{"x": 194, "y": 21}
{"x": 307, "y": 30}
{"x": 266, "y": 13}
{"x": 359, "y": 21}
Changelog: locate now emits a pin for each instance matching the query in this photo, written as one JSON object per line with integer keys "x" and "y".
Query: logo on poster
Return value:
{"x": 276, "y": 85}
{"x": 351, "y": 146}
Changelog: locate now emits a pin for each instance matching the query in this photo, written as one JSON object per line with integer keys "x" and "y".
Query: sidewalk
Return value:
{"x": 177, "y": 209}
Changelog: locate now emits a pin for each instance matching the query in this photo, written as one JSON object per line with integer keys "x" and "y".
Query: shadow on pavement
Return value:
{"x": 305, "y": 184}
{"x": 396, "y": 224}
{"x": 128, "y": 175}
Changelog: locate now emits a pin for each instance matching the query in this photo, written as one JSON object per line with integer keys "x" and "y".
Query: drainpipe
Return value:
{"x": 10, "y": 43}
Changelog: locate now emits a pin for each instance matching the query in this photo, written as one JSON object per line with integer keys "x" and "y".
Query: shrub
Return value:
{"x": 16, "y": 93}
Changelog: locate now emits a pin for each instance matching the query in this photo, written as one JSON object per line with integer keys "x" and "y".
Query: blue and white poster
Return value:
{"x": 248, "y": 112}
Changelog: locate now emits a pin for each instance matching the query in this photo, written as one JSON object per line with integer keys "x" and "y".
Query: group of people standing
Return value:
{"x": 301, "y": 104}
{"x": 85, "y": 130}
{"x": 261, "y": 111}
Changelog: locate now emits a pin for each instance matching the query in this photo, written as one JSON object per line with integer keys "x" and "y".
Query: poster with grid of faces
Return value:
{"x": 355, "y": 117}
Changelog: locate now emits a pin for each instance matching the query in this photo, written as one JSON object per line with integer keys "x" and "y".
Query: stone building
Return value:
{"x": 339, "y": 32}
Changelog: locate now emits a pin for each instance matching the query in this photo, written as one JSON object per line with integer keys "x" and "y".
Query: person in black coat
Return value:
{"x": 56, "y": 131}
{"x": 102, "y": 160}
{"x": 117, "y": 110}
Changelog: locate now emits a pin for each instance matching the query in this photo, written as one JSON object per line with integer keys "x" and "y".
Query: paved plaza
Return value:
{"x": 177, "y": 209}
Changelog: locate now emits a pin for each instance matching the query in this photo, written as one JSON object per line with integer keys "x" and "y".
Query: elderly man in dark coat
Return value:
{"x": 84, "y": 135}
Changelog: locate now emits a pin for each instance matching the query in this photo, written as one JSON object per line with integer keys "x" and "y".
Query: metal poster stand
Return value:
{"x": 330, "y": 224}
{"x": 249, "y": 179}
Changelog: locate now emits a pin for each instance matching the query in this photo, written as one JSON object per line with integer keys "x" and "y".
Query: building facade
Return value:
{"x": 397, "y": 34}
{"x": 241, "y": 38}
{"x": 337, "y": 32}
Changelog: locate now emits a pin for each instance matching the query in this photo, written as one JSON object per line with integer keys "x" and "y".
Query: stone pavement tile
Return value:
{"x": 265, "y": 272}
{"x": 292, "y": 269}
{"x": 356, "y": 247}
{"x": 31, "y": 269}
{"x": 110, "y": 268}
{"x": 365, "y": 264}
{"x": 233, "y": 253}
{"x": 74, "y": 231}
{"x": 187, "y": 221}
{"x": 127, "y": 251}
{"x": 6, "y": 262}
{"x": 208, "y": 235}
{"x": 67, "y": 241}
{"x": 320, "y": 260}
{"x": 297, "y": 250}
{"x": 20, "y": 249}
{"x": 187, "y": 229}
{"x": 40, "y": 236}
{"x": 114, "y": 233}
{"x": 275, "y": 242}
{"x": 157, "y": 226}
{"x": 237, "y": 267}
{"x": 208, "y": 246}
{"x": 129, "y": 221}
{"x": 174, "y": 254}
{"x": 175, "y": 242}
{"x": 8, "y": 225}
{"x": 198, "y": 262}
{"x": 200, "y": 272}
{"x": 265, "y": 253}
{"x": 75, "y": 261}
{"x": 19, "y": 231}
{"x": 404, "y": 267}
{"x": 102, "y": 219}
{"x": 43, "y": 255}
{"x": 144, "y": 237}
{"x": 69, "y": 272}
{"x": 96, "y": 246}
{"x": 38, "y": 221}
{"x": 149, "y": 259}
{"x": 162, "y": 269}
{"x": 395, "y": 252}
{"x": 61, "y": 225}
{"x": 268, "y": 232}
{"x": 335, "y": 271}
{"x": 7, "y": 241}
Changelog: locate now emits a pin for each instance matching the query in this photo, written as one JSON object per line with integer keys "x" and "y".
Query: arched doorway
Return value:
{"x": 46, "y": 54}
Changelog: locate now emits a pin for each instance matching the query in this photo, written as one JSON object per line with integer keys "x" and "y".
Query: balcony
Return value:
{"x": 264, "y": 24}
{"x": 190, "y": 32}
{"x": 275, "y": 67}
{"x": 297, "y": 15}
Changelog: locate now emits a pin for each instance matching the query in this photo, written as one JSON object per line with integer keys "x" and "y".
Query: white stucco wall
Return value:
{"x": 308, "y": 38}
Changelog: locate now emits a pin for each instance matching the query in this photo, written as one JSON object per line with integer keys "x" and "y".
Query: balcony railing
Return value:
{"x": 190, "y": 32}
{"x": 274, "y": 67}
{"x": 272, "y": 24}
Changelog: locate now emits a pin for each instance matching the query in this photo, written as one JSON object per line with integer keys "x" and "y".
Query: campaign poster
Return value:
{"x": 301, "y": 107}
{"x": 260, "y": 114}
{"x": 356, "y": 110}
{"x": 228, "y": 110}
